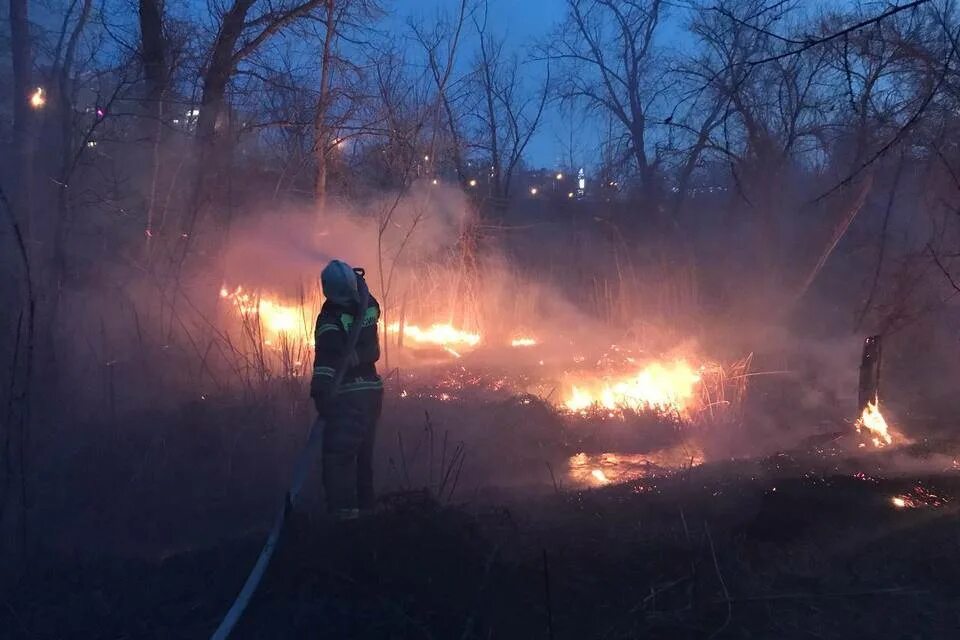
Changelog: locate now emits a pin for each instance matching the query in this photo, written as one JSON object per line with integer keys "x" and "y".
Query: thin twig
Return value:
{"x": 811, "y": 43}
{"x": 488, "y": 565}
{"x": 943, "y": 269}
{"x": 891, "y": 591}
{"x": 883, "y": 246}
{"x": 723, "y": 584}
{"x": 556, "y": 485}
{"x": 546, "y": 593}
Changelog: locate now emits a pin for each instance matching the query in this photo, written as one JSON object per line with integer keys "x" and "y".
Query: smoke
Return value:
{"x": 582, "y": 293}
{"x": 279, "y": 249}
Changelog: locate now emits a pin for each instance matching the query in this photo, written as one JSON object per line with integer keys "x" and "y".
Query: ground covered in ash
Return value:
{"x": 813, "y": 543}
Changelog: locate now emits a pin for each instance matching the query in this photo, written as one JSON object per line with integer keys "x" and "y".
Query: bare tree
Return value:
{"x": 606, "y": 49}
{"x": 68, "y": 150}
{"x": 349, "y": 19}
{"x": 20, "y": 50}
{"x": 239, "y": 36}
{"x": 766, "y": 121}
{"x": 155, "y": 58}
{"x": 509, "y": 114}
{"x": 321, "y": 132}
{"x": 441, "y": 42}
{"x": 404, "y": 103}
{"x": 16, "y": 416}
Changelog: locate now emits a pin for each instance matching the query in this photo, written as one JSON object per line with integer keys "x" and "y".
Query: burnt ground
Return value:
{"x": 789, "y": 546}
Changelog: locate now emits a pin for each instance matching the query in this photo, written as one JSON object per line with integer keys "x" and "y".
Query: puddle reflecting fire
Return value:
{"x": 597, "y": 470}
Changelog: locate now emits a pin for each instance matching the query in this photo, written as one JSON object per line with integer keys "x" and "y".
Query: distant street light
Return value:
{"x": 473, "y": 183}
{"x": 570, "y": 195}
{"x": 38, "y": 99}
{"x": 533, "y": 191}
{"x": 426, "y": 158}
{"x": 434, "y": 181}
{"x": 559, "y": 176}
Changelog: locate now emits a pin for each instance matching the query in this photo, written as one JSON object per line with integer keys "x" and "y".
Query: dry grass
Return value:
{"x": 768, "y": 549}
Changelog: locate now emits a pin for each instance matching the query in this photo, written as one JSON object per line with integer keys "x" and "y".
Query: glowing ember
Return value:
{"x": 658, "y": 386}
{"x": 440, "y": 335}
{"x": 523, "y": 342}
{"x": 872, "y": 420}
{"x": 277, "y": 320}
{"x": 919, "y": 496}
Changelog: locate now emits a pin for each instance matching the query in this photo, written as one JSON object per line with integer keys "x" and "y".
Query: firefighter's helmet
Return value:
{"x": 339, "y": 282}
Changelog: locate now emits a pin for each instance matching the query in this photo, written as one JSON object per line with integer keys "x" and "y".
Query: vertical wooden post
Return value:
{"x": 869, "y": 391}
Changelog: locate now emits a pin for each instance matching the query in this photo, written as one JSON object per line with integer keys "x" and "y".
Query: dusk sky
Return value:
{"x": 525, "y": 23}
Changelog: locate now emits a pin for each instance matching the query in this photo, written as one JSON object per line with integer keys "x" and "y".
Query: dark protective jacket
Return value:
{"x": 330, "y": 342}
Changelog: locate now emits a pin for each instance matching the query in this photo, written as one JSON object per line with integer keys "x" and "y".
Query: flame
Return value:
{"x": 659, "y": 386}
{"x": 277, "y": 320}
{"x": 523, "y": 342}
{"x": 438, "y": 334}
{"x": 874, "y": 422}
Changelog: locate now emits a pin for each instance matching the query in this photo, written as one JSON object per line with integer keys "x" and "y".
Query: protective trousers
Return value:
{"x": 351, "y": 424}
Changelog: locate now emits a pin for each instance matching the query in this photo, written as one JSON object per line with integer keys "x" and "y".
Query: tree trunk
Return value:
{"x": 153, "y": 55}
{"x": 321, "y": 133}
{"x": 13, "y": 468}
{"x": 67, "y": 151}
{"x": 210, "y": 152}
{"x": 496, "y": 163}
{"x": 22, "y": 116}
{"x": 686, "y": 172}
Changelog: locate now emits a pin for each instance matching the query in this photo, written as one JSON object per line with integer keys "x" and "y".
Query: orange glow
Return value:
{"x": 658, "y": 386}
{"x": 277, "y": 320}
{"x": 599, "y": 476}
{"x": 523, "y": 342}
{"x": 608, "y": 468}
{"x": 38, "y": 99}
{"x": 918, "y": 497}
{"x": 439, "y": 335}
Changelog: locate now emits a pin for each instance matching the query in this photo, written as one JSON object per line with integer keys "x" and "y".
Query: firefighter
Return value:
{"x": 350, "y": 413}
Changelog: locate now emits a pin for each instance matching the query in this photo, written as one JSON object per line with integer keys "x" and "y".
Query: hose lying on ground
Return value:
{"x": 304, "y": 461}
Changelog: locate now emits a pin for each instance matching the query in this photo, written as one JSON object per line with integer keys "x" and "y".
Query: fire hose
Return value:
{"x": 302, "y": 466}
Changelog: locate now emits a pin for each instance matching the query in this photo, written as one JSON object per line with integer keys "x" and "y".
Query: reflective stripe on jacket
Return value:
{"x": 330, "y": 341}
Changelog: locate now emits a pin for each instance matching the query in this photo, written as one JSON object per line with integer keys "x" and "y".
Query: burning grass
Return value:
{"x": 616, "y": 382}
{"x": 669, "y": 386}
